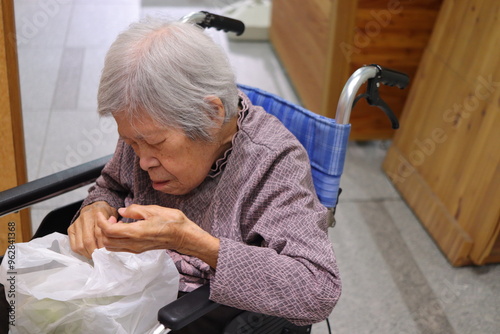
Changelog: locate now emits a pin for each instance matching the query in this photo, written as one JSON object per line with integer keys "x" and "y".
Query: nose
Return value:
{"x": 147, "y": 160}
{"x": 147, "y": 163}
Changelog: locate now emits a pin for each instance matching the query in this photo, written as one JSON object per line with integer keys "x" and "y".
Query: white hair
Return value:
{"x": 168, "y": 69}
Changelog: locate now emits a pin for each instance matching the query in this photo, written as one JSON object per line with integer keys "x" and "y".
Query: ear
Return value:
{"x": 218, "y": 106}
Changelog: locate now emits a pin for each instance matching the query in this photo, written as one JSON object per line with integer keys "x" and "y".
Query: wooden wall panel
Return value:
{"x": 304, "y": 58}
{"x": 445, "y": 161}
{"x": 338, "y": 69}
{"x": 12, "y": 159}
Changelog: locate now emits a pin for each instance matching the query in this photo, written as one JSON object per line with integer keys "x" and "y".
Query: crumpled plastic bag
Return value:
{"x": 55, "y": 290}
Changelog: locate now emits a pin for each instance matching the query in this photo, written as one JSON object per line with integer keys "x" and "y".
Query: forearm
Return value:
{"x": 203, "y": 246}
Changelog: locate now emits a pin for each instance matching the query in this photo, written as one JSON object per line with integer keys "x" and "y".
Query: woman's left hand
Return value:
{"x": 158, "y": 228}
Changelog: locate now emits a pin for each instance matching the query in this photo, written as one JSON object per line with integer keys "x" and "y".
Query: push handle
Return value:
{"x": 392, "y": 78}
{"x": 222, "y": 23}
{"x": 205, "y": 19}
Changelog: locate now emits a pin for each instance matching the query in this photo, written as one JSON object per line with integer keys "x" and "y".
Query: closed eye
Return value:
{"x": 127, "y": 141}
{"x": 156, "y": 143}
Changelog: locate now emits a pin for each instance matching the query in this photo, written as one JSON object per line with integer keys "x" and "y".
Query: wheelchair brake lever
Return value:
{"x": 373, "y": 98}
{"x": 386, "y": 109}
{"x": 390, "y": 78}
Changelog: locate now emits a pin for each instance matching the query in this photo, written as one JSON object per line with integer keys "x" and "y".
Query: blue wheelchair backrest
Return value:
{"x": 324, "y": 139}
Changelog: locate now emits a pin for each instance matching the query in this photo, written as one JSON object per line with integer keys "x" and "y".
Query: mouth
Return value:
{"x": 158, "y": 185}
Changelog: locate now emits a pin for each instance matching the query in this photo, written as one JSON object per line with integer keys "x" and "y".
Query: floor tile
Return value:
{"x": 363, "y": 177}
{"x": 42, "y": 23}
{"x": 186, "y": 3}
{"x": 75, "y": 138}
{"x": 38, "y": 69}
{"x": 35, "y": 130}
{"x": 68, "y": 79}
{"x": 93, "y": 63}
{"x": 366, "y": 277}
{"x": 92, "y": 26}
{"x": 458, "y": 289}
{"x": 251, "y": 59}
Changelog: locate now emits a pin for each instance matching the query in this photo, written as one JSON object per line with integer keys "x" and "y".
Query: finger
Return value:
{"x": 87, "y": 239}
{"x": 136, "y": 211}
{"x": 98, "y": 236}
{"x": 119, "y": 249}
{"x": 98, "y": 231}
{"x": 111, "y": 229}
{"x": 77, "y": 237}
{"x": 128, "y": 245}
{"x": 72, "y": 237}
{"x": 102, "y": 223}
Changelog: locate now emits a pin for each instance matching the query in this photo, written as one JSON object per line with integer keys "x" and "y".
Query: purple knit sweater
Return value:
{"x": 259, "y": 200}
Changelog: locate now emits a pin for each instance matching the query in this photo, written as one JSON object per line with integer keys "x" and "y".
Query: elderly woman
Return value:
{"x": 218, "y": 183}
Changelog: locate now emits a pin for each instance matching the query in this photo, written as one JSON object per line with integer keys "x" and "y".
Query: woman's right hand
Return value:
{"x": 84, "y": 234}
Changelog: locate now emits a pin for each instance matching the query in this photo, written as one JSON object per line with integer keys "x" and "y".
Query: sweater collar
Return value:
{"x": 218, "y": 166}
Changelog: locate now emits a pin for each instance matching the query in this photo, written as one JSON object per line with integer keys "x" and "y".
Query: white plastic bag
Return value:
{"x": 54, "y": 290}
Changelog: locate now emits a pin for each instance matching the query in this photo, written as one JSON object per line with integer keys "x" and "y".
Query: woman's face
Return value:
{"x": 175, "y": 164}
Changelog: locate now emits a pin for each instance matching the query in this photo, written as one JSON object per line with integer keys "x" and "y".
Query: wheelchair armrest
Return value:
{"x": 33, "y": 192}
{"x": 187, "y": 308}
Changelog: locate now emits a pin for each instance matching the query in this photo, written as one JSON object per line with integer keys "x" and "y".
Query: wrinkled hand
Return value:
{"x": 157, "y": 228}
{"x": 84, "y": 234}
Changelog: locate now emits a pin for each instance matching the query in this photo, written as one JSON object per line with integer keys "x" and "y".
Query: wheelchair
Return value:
{"x": 325, "y": 140}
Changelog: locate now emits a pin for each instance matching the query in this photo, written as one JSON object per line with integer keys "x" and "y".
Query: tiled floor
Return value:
{"x": 395, "y": 279}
